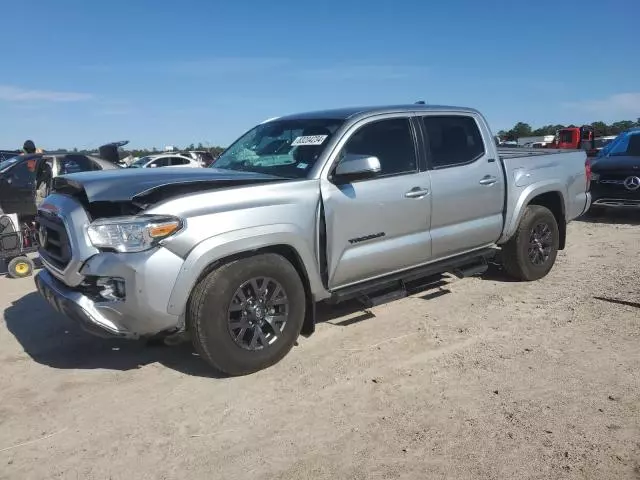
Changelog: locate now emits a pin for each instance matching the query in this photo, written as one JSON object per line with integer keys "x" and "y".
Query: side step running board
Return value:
{"x": 471, "y": 270}
{"x": 373, "y": 301}
{"x": 466, "y": 265}
{"x": 400, "y": 290}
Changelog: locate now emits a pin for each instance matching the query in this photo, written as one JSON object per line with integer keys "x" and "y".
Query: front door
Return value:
{"x": 468, "y": 186}
{"x": 378, "y": 225}
{"x": 17, "y": 188}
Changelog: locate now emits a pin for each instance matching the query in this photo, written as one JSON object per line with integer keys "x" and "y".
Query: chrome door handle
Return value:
{"x": 417, "y": 192}
{"x": 488, "y": 180}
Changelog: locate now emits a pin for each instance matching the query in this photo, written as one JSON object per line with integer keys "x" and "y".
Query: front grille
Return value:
{"x": 54, "y": 242}
{"x": 612, "y": 185}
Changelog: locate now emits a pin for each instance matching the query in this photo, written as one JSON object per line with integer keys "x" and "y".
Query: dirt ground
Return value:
{"x": 479, "y": 379}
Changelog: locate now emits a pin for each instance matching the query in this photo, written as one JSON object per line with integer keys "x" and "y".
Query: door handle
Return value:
{"x": 417, "y": 192}
{"x": 488, "y": 180}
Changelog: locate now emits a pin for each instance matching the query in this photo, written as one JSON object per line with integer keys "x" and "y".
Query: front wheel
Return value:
{"x": 247, "y": 314}
{"x": 531, "y": 252}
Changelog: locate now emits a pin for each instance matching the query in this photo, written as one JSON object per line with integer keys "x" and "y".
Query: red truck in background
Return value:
{"x": 576, "y": 138}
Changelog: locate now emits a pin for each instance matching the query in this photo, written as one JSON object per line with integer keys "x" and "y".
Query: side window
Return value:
{"x": 453, "y": 140}
{"x": 160, "y": 162}
{"x": 389, "y": 140}
{"x": 179, "y": 161}
{"x": 75, "y": 163}
{"x": 21, "y": 174}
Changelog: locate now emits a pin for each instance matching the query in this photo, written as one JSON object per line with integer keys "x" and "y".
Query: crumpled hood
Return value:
{"x": 128, "y": 183}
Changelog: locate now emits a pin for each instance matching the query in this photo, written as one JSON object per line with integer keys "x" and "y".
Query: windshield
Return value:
{"x": 626, "y": 144}
{"x": 284, "y": 148}
{"x": 7, "y": 163}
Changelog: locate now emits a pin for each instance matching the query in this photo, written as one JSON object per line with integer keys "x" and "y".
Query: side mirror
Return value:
{"x": 153, "y": 165}
{"x": 356, "y": 167}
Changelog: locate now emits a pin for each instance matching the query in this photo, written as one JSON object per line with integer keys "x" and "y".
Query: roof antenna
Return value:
{"x": 420, "y": 102}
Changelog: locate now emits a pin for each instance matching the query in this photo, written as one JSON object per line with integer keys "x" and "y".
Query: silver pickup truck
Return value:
{"x": 322, "y": 206}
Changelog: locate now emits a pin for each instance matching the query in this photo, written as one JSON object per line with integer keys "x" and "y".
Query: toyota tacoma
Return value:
{"x": 314, "y": 207}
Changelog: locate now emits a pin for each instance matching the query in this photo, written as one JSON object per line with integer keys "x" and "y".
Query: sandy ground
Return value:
{"x": 480, "y": 379}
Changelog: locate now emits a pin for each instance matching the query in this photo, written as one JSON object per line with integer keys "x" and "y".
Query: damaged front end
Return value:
{"x": 99, "y": 247}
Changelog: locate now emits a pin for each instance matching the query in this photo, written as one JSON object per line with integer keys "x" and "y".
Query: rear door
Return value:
{"x": 468, "y": 188}
{"x": 378, "y": 225}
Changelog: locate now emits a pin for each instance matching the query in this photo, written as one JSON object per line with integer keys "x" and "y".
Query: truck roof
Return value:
{"x": 346, "y": 113}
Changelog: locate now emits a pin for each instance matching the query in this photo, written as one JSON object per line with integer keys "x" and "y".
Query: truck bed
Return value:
{"x": 530, "y": 152}
{"x": 531, "y": 170}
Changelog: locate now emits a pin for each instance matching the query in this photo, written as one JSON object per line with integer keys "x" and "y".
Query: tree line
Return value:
{"x": 522, "y": 129}
{"x": 214, "y": 151}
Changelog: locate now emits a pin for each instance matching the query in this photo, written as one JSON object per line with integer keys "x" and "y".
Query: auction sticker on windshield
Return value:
{"x": 309, "y": 140}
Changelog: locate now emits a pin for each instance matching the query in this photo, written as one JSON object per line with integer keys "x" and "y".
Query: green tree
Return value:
{"x": 618, "y": 127}
{"x": 520, "y": 129}
{"x": 600, "y": 129}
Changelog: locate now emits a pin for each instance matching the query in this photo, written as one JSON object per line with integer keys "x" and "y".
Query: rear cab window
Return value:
{"x": 452, "y": 140}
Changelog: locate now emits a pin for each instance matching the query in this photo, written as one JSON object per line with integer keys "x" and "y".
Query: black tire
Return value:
{"x": 208, "y": 314}
{"x": 516, "y": 252}
{"x": 20, "y": 267}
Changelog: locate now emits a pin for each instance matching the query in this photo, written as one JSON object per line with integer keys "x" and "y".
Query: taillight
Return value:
{"x": 587, "y": 172}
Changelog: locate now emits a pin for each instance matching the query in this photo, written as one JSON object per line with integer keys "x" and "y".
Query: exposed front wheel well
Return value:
{"x": 292, "y": 256}
{"x": 553, "y": 202}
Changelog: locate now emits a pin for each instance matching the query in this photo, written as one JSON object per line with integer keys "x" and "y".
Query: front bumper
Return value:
{"x": 148, "y": 278}
{"x": 77, "y": 307}
{"x": 622, "y": 203}
{"x": 606, "y": 194}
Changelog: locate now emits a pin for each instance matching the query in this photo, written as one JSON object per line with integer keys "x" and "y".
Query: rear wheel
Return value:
{"x": 20, "y": 267}
{"x": 531, "y": 252}
{"x": 246, "y": 315}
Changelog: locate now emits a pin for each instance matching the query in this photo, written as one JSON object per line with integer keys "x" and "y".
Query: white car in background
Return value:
{"x": 166, "y": 160}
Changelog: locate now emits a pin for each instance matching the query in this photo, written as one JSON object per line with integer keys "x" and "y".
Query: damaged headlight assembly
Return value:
{"x": 132, "y": 234}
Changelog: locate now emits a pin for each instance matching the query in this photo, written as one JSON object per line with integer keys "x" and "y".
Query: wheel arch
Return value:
{"x": 216, "y": 251}
{"x": 554, "y": 203}
{"x": 284, "y": 250}
{"x": 549, "y": 195}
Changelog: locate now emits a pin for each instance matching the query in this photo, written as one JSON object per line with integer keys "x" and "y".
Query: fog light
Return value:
{"x": 111, "y": 288}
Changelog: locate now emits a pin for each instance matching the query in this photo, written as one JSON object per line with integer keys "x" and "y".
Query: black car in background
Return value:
{"x": 7, "y": 154}
{"x": 615, "y": 176}
{"x": 26, "y": 179}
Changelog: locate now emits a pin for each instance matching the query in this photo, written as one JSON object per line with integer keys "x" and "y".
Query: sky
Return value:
{"x": 79, "y": 73}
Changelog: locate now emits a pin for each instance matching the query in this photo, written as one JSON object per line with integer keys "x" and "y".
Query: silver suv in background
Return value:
{"x": 320, "y": 206}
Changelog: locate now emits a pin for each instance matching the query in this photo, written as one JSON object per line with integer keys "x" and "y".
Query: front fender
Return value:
{"x": 222, "y": 246}
{"x": 514, "y": 215}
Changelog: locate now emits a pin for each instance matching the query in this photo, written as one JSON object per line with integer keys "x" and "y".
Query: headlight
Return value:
{"x": 132, "y": 234}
